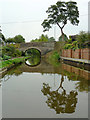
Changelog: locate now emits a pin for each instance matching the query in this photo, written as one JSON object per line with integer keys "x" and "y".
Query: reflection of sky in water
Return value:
{"x": 28, "y": 63}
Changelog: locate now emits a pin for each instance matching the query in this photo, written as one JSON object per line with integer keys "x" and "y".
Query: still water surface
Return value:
{"x": 45, "y": 91}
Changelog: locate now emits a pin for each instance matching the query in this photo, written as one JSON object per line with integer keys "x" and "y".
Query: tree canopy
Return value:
{"x": 2, "y": 36}
{"x": 19, "y": 39}
{"x": 44, "y": 38}
{"x": 60, "y": 13}
{"x": 16, "y": 39}
{"x": 61, "y": 102}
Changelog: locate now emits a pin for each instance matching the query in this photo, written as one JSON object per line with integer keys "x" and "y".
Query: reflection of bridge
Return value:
{"x": 43, "y": 67}
{"x": 43, "y": 47}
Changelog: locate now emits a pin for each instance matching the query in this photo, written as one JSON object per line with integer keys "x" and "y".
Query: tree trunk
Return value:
{"x": 62, "y": 34}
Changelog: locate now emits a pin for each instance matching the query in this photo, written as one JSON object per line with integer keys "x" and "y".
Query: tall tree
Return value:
{"x": 60, "y": 13}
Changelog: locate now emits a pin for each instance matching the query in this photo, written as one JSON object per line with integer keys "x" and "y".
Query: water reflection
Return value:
{"x": 76, "y": 74}
{"x": 33, "y": 61}
{"x": 28, "y": 86}
{"x": 35, "y": 57}
{"x": 72, "y": 73}
{"x": 60, "y": 102}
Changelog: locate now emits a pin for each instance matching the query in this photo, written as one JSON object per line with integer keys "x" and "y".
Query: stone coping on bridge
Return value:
{"x": 43, "y": 47}
{"x": 76, "y": 60}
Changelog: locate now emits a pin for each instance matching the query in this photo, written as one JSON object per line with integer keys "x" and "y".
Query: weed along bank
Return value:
{"x": 9, "y": 64}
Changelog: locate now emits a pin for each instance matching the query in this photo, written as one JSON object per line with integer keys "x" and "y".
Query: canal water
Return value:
{"x": 45, "y": 91}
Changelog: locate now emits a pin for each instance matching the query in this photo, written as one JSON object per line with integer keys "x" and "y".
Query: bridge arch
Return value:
{"x": 43, "y": 47}
{"x": 33, "y": 48}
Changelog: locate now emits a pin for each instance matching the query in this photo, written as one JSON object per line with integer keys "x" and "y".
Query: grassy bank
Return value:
{"x": 54, "y": 56}
{"x": 10, "y": 62}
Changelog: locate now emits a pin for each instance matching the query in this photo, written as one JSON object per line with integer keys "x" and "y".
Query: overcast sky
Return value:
{"x": 25, "y": 17}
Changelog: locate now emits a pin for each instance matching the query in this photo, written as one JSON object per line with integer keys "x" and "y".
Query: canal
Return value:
{"x": 44, "y": 90}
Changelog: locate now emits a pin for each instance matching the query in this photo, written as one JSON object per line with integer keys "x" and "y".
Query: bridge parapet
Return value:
{"x": 43, "y": 47}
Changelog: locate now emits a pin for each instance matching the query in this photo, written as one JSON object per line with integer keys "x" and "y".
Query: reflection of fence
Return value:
{"x": 80, "y": 72}
{"x": 78, "y": 53}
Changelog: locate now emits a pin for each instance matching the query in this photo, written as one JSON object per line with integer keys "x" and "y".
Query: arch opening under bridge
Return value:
{"x": 33, "y": 48}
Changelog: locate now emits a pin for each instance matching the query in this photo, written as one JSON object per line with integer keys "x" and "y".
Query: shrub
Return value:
{"x": 5, "y": 57}
{"x": 55, "y": 56}
{"x": 82, "y": 38}
{"x": 10, "y": 50}
{"x": 68, "y": 46}
{"x": 1, "y": 58}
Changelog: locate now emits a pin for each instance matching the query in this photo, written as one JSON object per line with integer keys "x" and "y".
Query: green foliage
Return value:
{"x": 60, "y": 13}
{"x": 54, "y": 57}
{"x": 33, "y": 52}
{"x": 51, "y": 39}
{"x": 65, "y": 38}
{"x": 2, "y": 36}
{"x": 5, "y": 57}
{"x": 10, "y": 50}
{"x": 68, "y": 46}
{"x": 16, "y": 39}
{"x": 10, "y": 40}
{"x": 35, "y": 60}
{"x": 1, "y": 58}
{"x": 81, "y": 41}
{"x": 73, "y": 45}
{"x": 82, "y": 38}
{"x": 44, "y": 38}
{"x": 8, "y": 63}
{"x": 69, "y": 41}
{"x": 19, "y": 39}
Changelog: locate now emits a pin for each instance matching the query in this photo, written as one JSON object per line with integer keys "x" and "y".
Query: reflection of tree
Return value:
{"x": 35, "y": 56}
{"x": 14, "y": 71}
{"x": 60, "y": 102}
{"x": 34, "y": 60}
{"x": 83, "y": 85}
{"x": 33, "y": 52}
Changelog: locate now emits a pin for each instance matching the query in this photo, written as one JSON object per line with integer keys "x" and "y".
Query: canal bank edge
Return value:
{"x": 5, "y": 69}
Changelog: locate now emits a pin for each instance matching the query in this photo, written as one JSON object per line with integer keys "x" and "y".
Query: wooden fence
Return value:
{"x": 78, "y": 53}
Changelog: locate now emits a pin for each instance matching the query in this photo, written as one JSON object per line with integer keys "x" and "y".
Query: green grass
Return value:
{"x": 53, "y": 58}
{"x": 8, "y": 63}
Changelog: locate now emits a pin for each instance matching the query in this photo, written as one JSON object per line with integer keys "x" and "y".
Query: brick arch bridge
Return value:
{"x": 43, "y": 47}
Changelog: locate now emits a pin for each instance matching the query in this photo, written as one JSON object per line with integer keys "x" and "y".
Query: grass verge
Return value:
{"x": 10, "y": 62}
